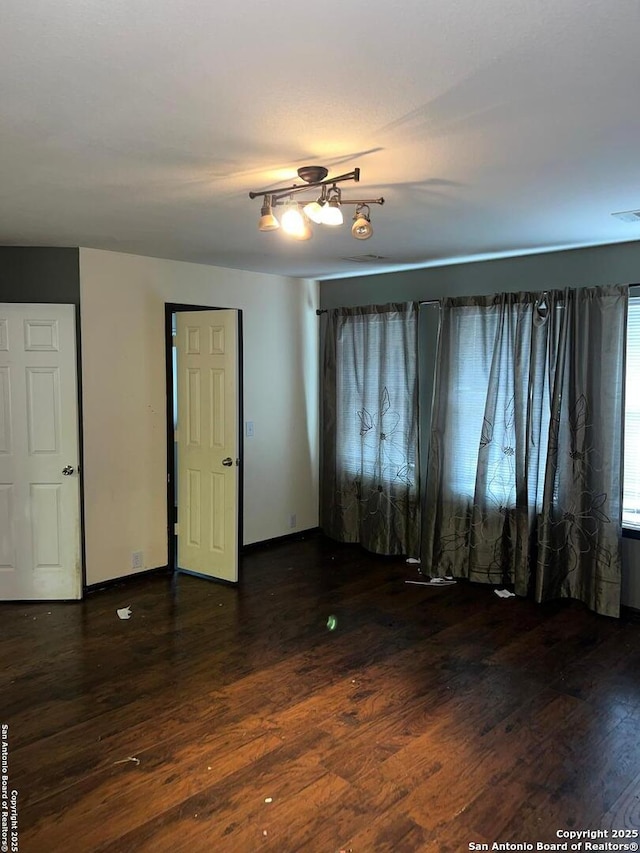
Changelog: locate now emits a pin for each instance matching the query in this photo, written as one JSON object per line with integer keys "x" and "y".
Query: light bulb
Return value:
{"x": 293, "y": 221}
{"x": 268, "y": 221}
{"x": 314, "y": 211}
{"x": 361, "y": 228}
{"x": 331, "y": 213}
{"x": 305, "y": 234}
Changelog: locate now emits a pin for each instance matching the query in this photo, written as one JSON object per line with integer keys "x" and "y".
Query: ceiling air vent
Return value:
{"x": 628, "y": 215}
{"x": 366, "y": 259}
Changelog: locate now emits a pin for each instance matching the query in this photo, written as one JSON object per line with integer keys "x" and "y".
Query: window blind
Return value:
{"x": 631, "y": 499}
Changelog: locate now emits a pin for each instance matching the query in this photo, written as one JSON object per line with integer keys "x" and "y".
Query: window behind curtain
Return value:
{"x": 631, "y": 500}
{"x": 471, "y": 364}
{"x": 369, "y": 485}
{"x": 468, "y": 394}
{"x": 374, "y": 429}
{"x": 483, "y": 339}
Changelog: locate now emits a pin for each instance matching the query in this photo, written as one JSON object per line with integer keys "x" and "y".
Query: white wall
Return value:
{"x": 122, "y": 301}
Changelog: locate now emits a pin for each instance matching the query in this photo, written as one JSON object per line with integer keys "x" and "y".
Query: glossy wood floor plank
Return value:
{"x": 428, "y": 719}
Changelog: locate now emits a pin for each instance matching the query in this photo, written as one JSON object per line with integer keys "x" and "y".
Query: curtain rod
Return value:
{"x": 422, "y": 302}
{"x": 634, "y": 286}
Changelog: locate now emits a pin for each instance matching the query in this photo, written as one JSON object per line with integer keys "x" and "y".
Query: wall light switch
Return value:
{"x": 248, "y": 429}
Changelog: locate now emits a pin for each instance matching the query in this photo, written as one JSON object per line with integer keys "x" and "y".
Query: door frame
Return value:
{"x": 171, "y": 308}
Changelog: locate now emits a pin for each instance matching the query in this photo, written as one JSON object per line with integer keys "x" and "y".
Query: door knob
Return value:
{"x": 228, "y": 462}
{"x": 67, "y": 470}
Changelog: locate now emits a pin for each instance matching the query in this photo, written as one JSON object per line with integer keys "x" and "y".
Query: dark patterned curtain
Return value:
{"x": 369, "y": 490}
{"x": 524, "y": 478}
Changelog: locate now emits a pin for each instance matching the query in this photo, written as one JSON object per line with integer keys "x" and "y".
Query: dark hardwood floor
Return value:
{"x": 428, "y": 719}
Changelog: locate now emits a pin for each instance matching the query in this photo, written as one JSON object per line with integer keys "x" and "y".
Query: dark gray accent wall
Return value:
{"x": 613, "y": 264}
{"x": 35, "y": 274}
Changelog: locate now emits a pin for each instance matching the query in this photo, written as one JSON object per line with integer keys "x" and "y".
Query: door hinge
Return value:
{"x": 175, "y": 529}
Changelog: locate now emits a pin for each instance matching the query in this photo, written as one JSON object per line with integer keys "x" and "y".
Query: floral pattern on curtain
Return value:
{"x": 524, "y": 480}
{"x": 370, "y": 466}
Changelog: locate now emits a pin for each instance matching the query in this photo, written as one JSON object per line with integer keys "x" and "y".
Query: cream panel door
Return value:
{"x": 207, "y": 443}
{"x": 39, "y": 502}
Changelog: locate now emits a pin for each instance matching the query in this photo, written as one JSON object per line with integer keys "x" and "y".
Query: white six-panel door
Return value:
{"x": 39, "y": 504}
{"x": 207, "y": 444}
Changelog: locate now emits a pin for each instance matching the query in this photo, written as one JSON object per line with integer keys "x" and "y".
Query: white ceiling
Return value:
{"x": 501, "y": 126}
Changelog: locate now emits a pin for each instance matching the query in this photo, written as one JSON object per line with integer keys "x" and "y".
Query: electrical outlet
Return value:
{"x": 137, "y": 560}
{"x": 292, "y": 520}
{"x": 249, "y": 429}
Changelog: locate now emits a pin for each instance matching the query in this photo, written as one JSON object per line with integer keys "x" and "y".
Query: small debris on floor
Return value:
{"x": 414, "y": 560}
{"x": 268, "y": 799}
{"x": 434, "y": 582}
{"x": 126, "y": 760}
{"x": 264, "y": 832}
{"x": 332, "y": 622}
{"x": 504, "y": 593}
{"x": 124, "y": 613}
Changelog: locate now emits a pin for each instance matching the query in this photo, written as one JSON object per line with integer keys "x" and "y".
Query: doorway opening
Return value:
{"x": 204, "y": 440}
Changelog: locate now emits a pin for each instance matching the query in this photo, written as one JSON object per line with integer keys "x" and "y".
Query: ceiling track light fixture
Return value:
{"x": 324, "y": 209}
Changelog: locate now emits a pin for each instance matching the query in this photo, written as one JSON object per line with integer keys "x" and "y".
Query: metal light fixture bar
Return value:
{"x": 362, "y": 200}
{"x": 323, "y": 209}
{"x": 283, "y": 192}
{"x": 282, "y": 200}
